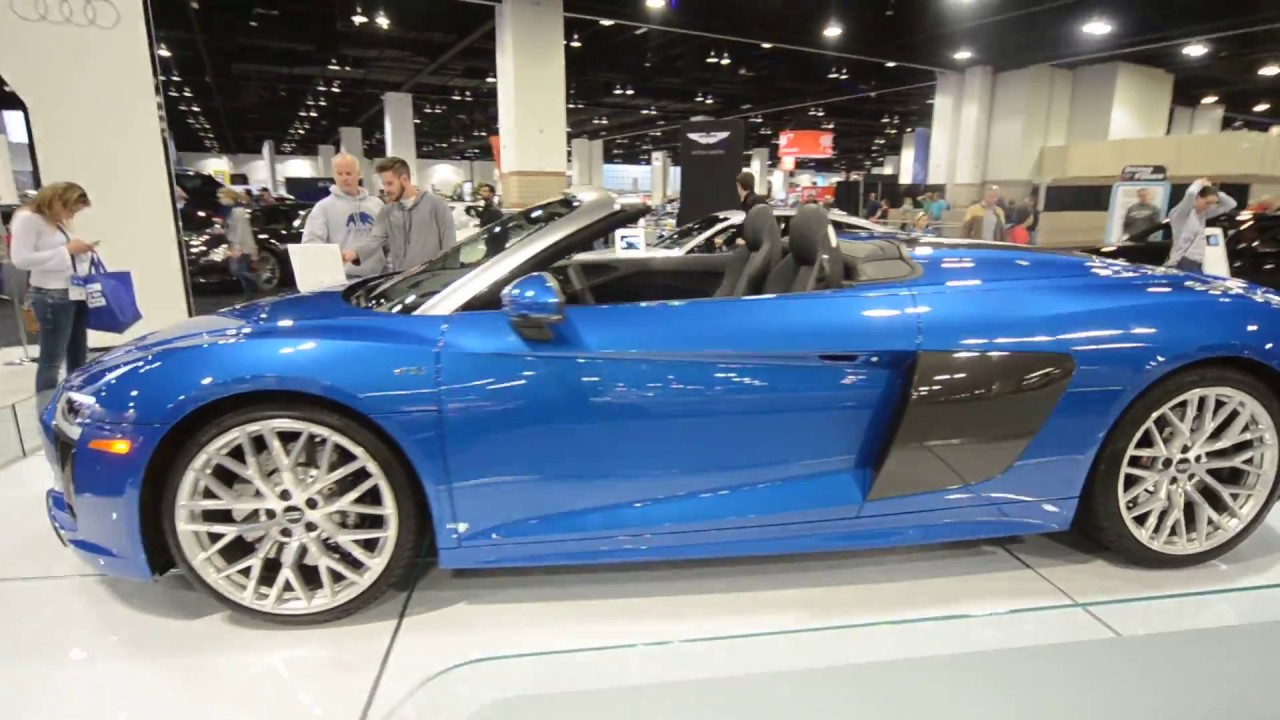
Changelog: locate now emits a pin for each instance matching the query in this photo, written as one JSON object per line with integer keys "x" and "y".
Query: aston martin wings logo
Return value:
{"x": 708, "y": 138}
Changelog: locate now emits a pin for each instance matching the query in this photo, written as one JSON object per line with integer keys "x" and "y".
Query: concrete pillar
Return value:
{"x": 324, "y": 155}
{"x": 946, "y": 121}
{"x": 397, "y": 118}
{"x": 1023, "y": 119}
{"x": 97, "y": 124}
{"x": 1207, "y": 119}
{"x": 531, "y": 92}
{"x": 351, "y": 141}
{"x": 1117, "y": 101}
{"x": 8, "y": 188}
{"x": 1180, "y": 121}
{"x": 907, "y": 161}
{"x": 1059, "y": 117}
{"x": 660, "y": 166}
{"x": 760, "y": 168}
{"x": 596, "y": 162}
{"x": 580, "y": 150}
{"x": 891, "y": 164}
{"x": 974, "y": 132}
{"x": 269, "y": 159}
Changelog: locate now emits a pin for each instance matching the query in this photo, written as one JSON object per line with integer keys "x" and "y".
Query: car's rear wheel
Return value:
{"x": 270, "y": 271}
{"x": 295, "y": 515}
{"x": 1188, "y": 472}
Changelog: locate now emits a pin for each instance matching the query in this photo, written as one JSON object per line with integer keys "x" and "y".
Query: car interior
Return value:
{"x": 808, "y": 260}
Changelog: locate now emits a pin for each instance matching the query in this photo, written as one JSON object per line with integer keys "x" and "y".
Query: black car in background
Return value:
{"x": 275, "y": 227}
{"x": 1252, "y": 241}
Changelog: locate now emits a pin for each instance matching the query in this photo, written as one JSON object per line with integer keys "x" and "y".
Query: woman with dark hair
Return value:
{"x": 1187, "y": 220}
{"x": 42, "y": 244}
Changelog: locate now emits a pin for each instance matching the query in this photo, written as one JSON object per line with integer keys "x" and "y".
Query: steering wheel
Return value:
{"x": 581, "y": 287}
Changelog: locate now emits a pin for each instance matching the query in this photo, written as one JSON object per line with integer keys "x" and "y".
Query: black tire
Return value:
{"x": 1099, "y": 515}
{"x": 413, "y": 526}
{"x": 276, "y": 280}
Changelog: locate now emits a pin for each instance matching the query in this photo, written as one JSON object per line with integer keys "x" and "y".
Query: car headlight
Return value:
{"x": 74, "y": 410}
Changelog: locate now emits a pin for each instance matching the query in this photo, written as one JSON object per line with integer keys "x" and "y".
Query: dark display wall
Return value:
{"x": 710, "y": 160}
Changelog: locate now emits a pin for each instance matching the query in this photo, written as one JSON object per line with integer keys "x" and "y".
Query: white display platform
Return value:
{"x": 486, "y": 644}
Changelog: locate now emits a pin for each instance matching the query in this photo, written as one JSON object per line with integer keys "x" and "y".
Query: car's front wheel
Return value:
{"x": 270, "y": 271}
{"x": 1188, "y": 472}
{"x": 295, "y": 515}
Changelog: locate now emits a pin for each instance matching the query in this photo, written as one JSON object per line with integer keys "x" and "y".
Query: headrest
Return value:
{"x": 809, "y": 234}
{"x": 760, "y": 227}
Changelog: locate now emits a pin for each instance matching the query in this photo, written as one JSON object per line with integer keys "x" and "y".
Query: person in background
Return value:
{"x": 242, "y": 248}
{"x": 346, "y": 219}
{"x": 489, "y": 212}
{"x": 1033, "y": 225}
{"x": 413, "y": 226}
{"x": 1187, "y": 220}
{"x": 985, "y": 220}
{"x": 1141, "y": 215}
{"x": 873, "y": 206}
{"x": 937, "y": 207}
{"x": 1025, "y": 216}
{"x": 746, "y": 192}
{"x": 265, "y": 197}
{"x": 907, "y": 212}
{"x": 43, "y": 245}
{"x": 921, "y": 225}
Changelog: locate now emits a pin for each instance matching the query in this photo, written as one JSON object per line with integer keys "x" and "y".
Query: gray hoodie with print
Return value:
{"x": 414, "y": 234}
{"x": 347, "y": 222}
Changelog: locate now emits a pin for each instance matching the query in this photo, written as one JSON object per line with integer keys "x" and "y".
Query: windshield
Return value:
{"x": 406, "y": 292}
{"x": 681, "y": 235}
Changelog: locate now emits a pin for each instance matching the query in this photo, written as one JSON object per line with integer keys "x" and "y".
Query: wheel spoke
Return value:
{"x": 1141, "y": 487}
{"x": 1151, "y": 504}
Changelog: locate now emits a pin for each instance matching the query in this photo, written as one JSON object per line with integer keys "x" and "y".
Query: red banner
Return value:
{"x": 806, "y": 143}
{"x": 496, "y": 144}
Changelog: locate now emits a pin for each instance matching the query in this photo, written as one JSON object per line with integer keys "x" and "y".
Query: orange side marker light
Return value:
{"x": 115, "y": 447}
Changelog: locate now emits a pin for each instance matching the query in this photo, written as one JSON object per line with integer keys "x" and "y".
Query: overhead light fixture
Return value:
{"x": 575, "y": 42}
{"x": 333, "y": 64}
{"x": 1195, "y": 49}
{"x": 456, "y": 95}
{"x": 699, "y": 98}
{"x": 891, "y": 64}
{"x": 655, "y": 4}
{"x": 359, "y": 18}
{"x": 724, "y": 59}
{"x": 490, "y": 78}
{"x": 833, "y": 74}
{"x": 606, "y": 23}
{"x": 467, "y": 96}
{"x": 382, "y": 20}
{"x": 1262, "y": 107}
{"x": 844, "y": 73}
{"x": 1209, "y": 99}
{"x": 833, "y": 29}
{"x": 163, "y": 51}
{"x": 962, "y": 55}
{"x": 617, "y": 89}
{"x": 710, "y": 100}
{"x": 711, "y": 57}
{"x": 630, "y": 90}
{"x": 1096, "y": 26}
{"x": 1269, "y": 70}
{"x": 766, "y": 46}
{"x": 335, "y": 87}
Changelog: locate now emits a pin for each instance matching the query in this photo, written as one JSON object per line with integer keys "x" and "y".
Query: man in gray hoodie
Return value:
{"x": 414, "y": 226}
{"x": 346, "y": 219}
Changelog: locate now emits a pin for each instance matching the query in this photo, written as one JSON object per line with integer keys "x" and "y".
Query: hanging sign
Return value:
{"x": 1143, "y": 173}
{"x": 806, "y": 144}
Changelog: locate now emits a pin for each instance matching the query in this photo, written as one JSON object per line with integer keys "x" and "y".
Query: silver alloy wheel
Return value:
{"x": 1198, "y": 471}
{"x": 286, "y": 517}
{"x": 268, "y": 271}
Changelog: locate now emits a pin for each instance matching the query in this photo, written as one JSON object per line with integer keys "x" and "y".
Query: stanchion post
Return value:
{"x": 21, "y": 327}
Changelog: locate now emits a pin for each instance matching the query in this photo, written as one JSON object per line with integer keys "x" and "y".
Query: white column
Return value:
{"x": 946, "y": 121}
{"x": 1059, "y": 115}
{"x": 351, "y": 141}
{"x": 1180, "y": 120}
{"x": 98, "y": 125}
{"x": 907, "y": 161}
{"x": 660, "y": 165}
{"x": 1028, "y": 109}
{"x": 1207, "y": 119}
{"x": 397, "y": 118}
{"x": 1116, "y": 101}
{"x": 8, "y": 188}
{"x": 531, "y": 99}
{"x": 580, "y": 149}
{"x": 324, "y": 155}
{"x": 975, "y": 118}
{"x": 891, "y": 164}
{"x": 597, "y": 163}
{"x": 760, "y": 168}
{"x": 269, "y": 158}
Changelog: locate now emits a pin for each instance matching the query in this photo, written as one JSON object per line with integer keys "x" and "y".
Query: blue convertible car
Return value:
{"x": 512, "y": 403}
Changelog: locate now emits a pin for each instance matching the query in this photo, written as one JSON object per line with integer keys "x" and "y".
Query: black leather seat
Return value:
{"x": 750, "y": 265}
{"x": 809, "y": 264}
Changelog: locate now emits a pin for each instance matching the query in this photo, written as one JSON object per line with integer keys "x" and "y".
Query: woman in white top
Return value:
{"x": 42, "y": 245}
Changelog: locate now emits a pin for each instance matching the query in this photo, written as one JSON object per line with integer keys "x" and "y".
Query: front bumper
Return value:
{"x": 94, "y": 506}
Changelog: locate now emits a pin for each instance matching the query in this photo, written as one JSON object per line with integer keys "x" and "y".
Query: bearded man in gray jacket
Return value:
{"x": 413, "y": 226}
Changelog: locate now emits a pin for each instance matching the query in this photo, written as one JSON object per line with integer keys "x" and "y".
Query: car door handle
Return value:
{"x": 840, "y": 357}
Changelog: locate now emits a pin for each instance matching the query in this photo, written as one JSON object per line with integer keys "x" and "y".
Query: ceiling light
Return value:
{"x": 1195, "y": 49}
{"x": 1269, "y": 70}
{"x": 467, "y": 96}
{"x": 710, "y": 100}
{"x": 711, "y": 57}
{"x": 1096, "y": 26}
{"x": 833, "y": 74}
{"x": 630, "y": 90}
{"x": 490, "y": 78}
{"x": 336, "y": 88}
{"x": 575, "y": 42}
{"x": 359, "y": 18}
{"x": 606, "y": 23}
{"x": 617, "y": 89}
{"x": 766, "y": 46}
{"x": 655, "y": 4}
{"x": 725, "y": 60}
{"x": 844, "y": 73}
{"x": 382, "y": 20}
{"x": 1209, "y": 99}
{"x": 962, "y": 55}
{"x": 333, "y": 64}
{"x": 891, "y": 64}
{"x": 833, "y": 29}
{"x": 699, "y": 98}
{"x": 1262, "y": 107}
{"x": 456, "y": 95}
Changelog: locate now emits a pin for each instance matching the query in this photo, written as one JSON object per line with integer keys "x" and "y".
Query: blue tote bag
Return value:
{"x": 113, "y": 308}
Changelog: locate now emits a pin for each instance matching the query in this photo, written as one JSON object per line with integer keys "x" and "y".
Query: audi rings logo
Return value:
{"x": 101, "y": 14}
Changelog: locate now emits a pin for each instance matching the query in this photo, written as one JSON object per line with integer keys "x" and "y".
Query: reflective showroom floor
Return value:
{"x": 1033, "y": 628}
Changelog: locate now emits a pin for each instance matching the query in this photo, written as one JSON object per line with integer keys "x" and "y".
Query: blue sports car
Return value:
{"x": 512, "y": 403}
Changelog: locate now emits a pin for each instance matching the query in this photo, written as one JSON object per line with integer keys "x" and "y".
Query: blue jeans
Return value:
{"x": 1189, "y": 265}
{"x": 242, "y": 269}
{"x": 64, "y": 337}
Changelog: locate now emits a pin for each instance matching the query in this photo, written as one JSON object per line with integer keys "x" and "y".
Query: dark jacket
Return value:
{"x": 489, "y": 213}
{"x": 751, "y": 200}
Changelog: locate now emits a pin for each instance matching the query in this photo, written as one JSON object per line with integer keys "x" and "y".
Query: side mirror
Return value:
{"x": 533, "y": 304}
